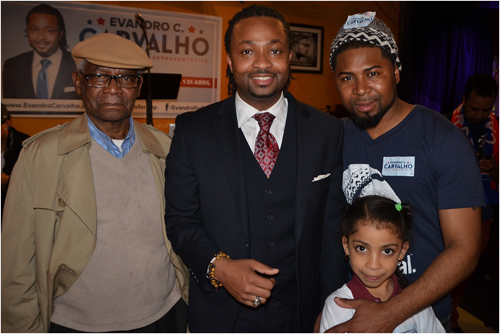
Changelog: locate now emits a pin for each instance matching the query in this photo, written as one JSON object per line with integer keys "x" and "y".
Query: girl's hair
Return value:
{"x": 382, "y": 213}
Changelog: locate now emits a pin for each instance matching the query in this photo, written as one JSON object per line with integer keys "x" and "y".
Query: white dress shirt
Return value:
{"x": 250, "y": 126}
{"x": 52, "y": 69}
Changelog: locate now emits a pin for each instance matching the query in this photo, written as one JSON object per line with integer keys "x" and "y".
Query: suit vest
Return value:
{"x": 271, "y": 212}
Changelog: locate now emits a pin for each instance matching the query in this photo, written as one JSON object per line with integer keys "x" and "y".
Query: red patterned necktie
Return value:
{"x": 266, "y": 148}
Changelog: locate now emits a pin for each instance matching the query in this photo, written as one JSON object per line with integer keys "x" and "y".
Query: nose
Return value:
{"x": 361, "y": 87}
{"x": 40, "y": 34}
{"x": 113, "y": 87}
{"x": 262, "y": 60}
{"x": 373, "y": 262}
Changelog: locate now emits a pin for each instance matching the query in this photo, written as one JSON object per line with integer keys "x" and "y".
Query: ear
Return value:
{"x": 77, "y": 81}
{"x": 139, "y": 86}
{"x": 404, "y": 249}
{"x": 290, "y": 56}
{"x": 396, "y": 73}
{"x": 345, "y": 244}
{"x": 229, "y": 62}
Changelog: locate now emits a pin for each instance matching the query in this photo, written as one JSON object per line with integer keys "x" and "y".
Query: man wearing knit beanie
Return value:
{"x": 84, "y": 246}
{"x": 426, "y": 162}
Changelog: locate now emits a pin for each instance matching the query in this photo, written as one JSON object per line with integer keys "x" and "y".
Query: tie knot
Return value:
{"x": 45, "y": 62}
{"x": 265, "y": 120}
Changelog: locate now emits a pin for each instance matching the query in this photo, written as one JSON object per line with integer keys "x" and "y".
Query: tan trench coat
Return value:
{"x": 49, "y": 221}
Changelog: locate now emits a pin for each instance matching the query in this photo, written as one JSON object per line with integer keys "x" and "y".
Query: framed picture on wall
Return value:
{"x": 307, "y": 49}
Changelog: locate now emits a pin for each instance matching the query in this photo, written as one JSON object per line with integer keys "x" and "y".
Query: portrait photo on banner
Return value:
{"x": 37, "y": 66}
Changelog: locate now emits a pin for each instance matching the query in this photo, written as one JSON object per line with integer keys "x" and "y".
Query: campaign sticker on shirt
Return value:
{"x": 399, "y": 166}
{"x": 359, "y": 20}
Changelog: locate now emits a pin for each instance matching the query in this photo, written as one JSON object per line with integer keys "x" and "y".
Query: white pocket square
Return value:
{"x": 69, "y": 89}
{"x": 321, "y": 177}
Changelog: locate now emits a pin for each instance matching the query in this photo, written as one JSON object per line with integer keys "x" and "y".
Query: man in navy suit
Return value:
{"x": 253, "y": 190}
{"x": 46, "y": 71}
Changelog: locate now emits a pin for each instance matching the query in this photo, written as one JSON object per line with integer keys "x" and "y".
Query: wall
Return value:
{"x": 317, "y": 90}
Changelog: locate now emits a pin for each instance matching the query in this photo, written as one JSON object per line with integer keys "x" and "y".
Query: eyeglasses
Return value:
{"x": 103, "y": 80}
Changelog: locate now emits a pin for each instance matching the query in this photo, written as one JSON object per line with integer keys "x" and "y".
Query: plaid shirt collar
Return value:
{"x": 107, "y": 143}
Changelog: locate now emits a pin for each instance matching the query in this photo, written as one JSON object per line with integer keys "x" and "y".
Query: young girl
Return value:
{"x": 375, "y": 239}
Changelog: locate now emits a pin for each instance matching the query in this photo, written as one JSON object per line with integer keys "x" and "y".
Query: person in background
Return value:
{"x": 84, "y": 246}
{"x": 375, "y": 236}
{"x": 410, "y": 154}
{"x": 45, "y": 72}
{"x": 11, "y": 147}
{"x": 253, "y": 190}
{"x": 477, "y": 121}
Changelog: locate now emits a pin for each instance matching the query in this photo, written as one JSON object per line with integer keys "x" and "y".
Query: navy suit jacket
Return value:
{"x": 17, "y": 82}
{"x": 207, "y": 208}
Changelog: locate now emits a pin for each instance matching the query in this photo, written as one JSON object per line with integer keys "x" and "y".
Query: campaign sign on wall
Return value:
{"x": 185, "y": 50}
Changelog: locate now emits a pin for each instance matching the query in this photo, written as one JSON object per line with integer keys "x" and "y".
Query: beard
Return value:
{"x": 367, "y": 122}
{"x": 264, "y": 96}
{"x": 269, "y": 94}
{"x": 371, "y": 121}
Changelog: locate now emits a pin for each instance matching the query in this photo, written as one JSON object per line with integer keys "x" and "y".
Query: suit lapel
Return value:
{"x": 59, "y": 84}
{"x": 62, "y": 80}
{"x": 226, "y": 135}
{"x": 28, "y": 74}
{"x": 305, "y": 169}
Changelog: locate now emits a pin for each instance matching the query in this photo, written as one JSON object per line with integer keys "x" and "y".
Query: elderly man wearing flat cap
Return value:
{"x": 84, "y": 246}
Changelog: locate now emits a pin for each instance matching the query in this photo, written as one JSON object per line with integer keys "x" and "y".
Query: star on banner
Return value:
{"x": 191, "y": 29}
{"x": 100, "y": 21}
{"x": 89, "y": 21}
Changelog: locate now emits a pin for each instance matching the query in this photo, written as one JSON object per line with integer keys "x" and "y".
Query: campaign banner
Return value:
{"x": 185, "y": 50}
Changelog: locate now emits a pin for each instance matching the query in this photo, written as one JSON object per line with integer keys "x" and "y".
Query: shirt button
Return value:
{"x": 270, "y": 217}
{"x": 268, "y": 191}
{"x": 270, "y": 243}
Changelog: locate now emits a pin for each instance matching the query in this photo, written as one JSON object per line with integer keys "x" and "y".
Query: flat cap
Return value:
{"x": 112, "y": 51}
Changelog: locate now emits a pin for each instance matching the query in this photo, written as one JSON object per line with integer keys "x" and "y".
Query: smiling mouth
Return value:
{"x": 263, "y": 80}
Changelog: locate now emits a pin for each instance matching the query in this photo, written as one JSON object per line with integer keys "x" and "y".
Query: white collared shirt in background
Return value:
{"x": 52, "y": 69}
{"x": 250, "y": 126}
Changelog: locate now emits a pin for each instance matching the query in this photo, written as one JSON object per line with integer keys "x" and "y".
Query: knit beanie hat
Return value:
{"x": 366, "y": 28}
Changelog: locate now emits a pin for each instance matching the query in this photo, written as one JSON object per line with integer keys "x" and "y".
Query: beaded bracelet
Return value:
{"x": 211, "y": 267}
